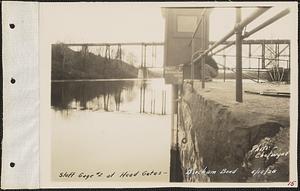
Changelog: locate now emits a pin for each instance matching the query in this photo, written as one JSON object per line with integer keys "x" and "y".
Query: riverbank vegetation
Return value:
{"x": 70, "y": 64}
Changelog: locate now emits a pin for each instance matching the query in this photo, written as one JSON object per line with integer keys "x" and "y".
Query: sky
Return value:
{"x": 140, "y": 22}
{"x": 99, "y": 22}
{"x": 143, "y": 22}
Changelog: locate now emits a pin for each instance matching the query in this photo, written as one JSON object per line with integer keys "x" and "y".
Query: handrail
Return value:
{"x": 259, "y": 27}
{"x": 232, "y": 70}
{"x": 267, "y": 22}
{"x": 238, "y": 31}
{"x": 254, "y": 57}
{"x": 198, "y": 24}
{"x": 259, "y": 41}
{"x": 242, "y": 24}
{"x": 253, "y": 16}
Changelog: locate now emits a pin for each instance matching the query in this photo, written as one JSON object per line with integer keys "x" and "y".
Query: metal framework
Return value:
{"x": 237, "y": 31}
{"x": 116, "y": 44}
{"x": 108, "y": 53}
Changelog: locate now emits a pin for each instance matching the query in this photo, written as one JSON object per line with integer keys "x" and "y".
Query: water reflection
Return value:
{"x": 143, "y": 96}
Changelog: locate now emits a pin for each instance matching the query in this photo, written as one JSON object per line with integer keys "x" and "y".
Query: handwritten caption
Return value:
{"x": 99, "y": 174}
{"x": 259, "y": 152}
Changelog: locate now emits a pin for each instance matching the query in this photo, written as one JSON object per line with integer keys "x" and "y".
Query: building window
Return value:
{"x": 186, "y": 23}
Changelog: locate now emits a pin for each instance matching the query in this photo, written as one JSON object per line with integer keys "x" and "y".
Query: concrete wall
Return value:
{"x": 213, "y": 136}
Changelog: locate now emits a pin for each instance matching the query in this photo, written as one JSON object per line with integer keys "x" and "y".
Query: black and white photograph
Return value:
{"x": 191, "y": 108}
{"x": 185, "y": 94}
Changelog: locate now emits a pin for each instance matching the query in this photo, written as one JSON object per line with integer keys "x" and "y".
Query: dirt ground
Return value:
{"x": 224, "y": 93}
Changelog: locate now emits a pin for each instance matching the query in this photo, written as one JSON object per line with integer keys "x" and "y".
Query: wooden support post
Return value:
{"x": 203, "y": 72}
{"x": 249, "y": 55}
{"x": 277, "y": 62}
{"x": 142, "y": 56}
{"x": 204, "y": 47}
{"x": 192, "y": 63}
{"x": 258, "y": 69}
{"x": 145, "y": 63}
{"x": 224, "y": 67}
{"x": 238, "y": 44}
{"x": 144, "y": 95}
{"x": 153, "y": 55}
{"x": 277, "y": 55}
{"x": 289, "y": 64}
{"x": 263, "y": 56}
{"x": 145, "y": 48}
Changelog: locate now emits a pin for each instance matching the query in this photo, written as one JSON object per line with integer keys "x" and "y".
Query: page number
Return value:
{"x": 291, "y": 183}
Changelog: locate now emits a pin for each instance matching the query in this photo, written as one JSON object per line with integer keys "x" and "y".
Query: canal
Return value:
{"x": 111, "y": 127}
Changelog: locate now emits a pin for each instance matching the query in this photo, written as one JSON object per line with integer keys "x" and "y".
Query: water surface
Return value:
{"x": 111, "y": 126}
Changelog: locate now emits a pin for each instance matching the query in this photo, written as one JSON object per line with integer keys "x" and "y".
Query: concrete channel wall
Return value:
{"x": 220, "y": 144}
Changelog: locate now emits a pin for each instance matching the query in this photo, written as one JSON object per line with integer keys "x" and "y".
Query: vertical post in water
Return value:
{"x": 174, "y": 111}
{"x": 164, "y": 102}
{"x": 141, "y": 98}
{"x": 144, "y": 91}
{"x": 154, "y": 103}
{"x": 151, "y": 104}
{"x": 141, "y": 84}
{"x": 108, "y": 52}
{"x": 238, "y": 44}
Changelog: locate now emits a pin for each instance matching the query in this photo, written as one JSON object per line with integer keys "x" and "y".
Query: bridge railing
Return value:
{"x": 237, "y": 31}
{"x": 119, "y": 46}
